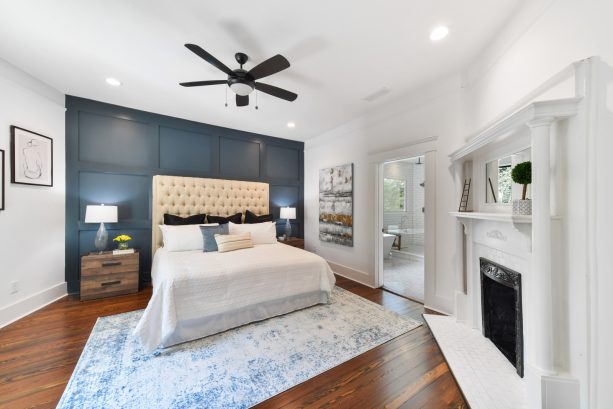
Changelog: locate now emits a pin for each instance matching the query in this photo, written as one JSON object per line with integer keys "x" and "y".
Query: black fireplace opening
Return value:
{"x": 502, "y": 311}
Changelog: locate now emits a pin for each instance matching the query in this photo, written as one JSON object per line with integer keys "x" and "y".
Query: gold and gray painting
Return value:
{"x": 336, "y": 205}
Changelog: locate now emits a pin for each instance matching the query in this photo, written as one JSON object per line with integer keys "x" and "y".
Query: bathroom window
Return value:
{"x": 394, "y": 195}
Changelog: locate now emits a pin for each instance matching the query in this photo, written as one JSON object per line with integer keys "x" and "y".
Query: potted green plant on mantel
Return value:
{"x": 522, "y": 174}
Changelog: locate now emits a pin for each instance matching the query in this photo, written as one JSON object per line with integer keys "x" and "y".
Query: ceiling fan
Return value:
{"x": 241, "y": 81}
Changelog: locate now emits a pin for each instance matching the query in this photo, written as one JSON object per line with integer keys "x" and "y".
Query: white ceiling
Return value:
{"x": 341, "y": 51}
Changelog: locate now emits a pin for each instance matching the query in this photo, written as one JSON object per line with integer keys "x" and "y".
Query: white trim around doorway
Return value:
{"x": 425, "y": 147}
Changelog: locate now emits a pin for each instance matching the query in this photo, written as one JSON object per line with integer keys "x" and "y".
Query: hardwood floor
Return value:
{"x": 39, "y": 352}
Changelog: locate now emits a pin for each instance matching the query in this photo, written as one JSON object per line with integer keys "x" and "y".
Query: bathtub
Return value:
{"x": 388, "y": 242}
{"x": 409, "y": 232}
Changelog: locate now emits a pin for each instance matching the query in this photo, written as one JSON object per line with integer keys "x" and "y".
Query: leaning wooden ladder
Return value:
{"x": 465, "y": 194}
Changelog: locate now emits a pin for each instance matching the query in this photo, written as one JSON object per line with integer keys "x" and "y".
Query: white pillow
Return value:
{"x": 231, "y": 242}
{"x": 261, "y": 233}
{"x": 183, "y": 238}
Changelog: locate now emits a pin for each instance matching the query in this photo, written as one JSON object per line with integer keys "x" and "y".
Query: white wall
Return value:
{"x": 32, "y": 224}
{"x": 433, "y": 111}
{"x": 545, "y": 37}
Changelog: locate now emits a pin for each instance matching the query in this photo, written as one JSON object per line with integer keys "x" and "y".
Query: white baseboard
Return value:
{"x": 350, "y": 273}
{"x": 438, "y": 310}
{"x": 26, "y": 306}
{"x": 559, "y": 392}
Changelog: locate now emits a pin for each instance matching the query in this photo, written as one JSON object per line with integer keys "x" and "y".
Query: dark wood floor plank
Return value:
{"x": 39, "y": 352}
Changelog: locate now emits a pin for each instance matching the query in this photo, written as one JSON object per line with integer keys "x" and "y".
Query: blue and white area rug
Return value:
{"x": 234, "y": 369}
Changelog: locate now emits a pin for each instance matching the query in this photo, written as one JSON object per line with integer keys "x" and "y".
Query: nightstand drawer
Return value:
{"x": 105, "y": 285}
{"x": 95, "y": 265}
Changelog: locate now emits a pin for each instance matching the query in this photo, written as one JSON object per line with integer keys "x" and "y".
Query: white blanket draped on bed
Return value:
{"x": 196, "y": 294}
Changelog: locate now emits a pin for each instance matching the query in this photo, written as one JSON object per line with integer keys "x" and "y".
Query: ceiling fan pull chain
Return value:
{"x": 226, "y": 97}
{"x": 256, "y": 99}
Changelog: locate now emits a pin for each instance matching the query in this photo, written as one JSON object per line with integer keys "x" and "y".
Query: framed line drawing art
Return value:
{"x": 1, "y": 179}
{"x": 31, "y": 158}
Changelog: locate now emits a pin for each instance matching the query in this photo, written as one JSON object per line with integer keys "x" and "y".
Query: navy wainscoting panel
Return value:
{"x": 283, "y": 163}
{"x": 186, "y": 150}
{"x": 130, "y": 193}
{"x": 112, "y": 152}
{"x": 118, "y": 141}
{"x": 239, "y": 158}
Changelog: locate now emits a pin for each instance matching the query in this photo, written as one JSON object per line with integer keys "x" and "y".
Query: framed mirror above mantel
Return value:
{"x": 500, "y": 190}
{"x": 489, "y": 169}
{"x": 488, "y": 158}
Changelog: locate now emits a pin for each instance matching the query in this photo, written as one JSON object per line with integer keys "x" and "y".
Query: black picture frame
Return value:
{"x": 44, "y": 163}
{"x": 1, "y": 179}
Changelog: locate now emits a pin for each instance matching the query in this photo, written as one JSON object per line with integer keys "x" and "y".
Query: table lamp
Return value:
{"x": 101, "y": 214}
{"x": 288, "y": 213}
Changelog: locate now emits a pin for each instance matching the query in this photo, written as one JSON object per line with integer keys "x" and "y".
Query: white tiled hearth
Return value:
{"x": 486, "y": 377}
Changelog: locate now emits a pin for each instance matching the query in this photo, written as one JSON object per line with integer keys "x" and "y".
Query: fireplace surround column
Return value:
{"x": 542, "y": 354}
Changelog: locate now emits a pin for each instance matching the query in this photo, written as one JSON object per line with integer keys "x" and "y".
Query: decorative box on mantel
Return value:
{"x": 549, "y": 249}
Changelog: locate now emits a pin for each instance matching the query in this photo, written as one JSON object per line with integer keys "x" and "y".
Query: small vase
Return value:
{"x": 522, "y": 207}
{"x": 123, "y": 245}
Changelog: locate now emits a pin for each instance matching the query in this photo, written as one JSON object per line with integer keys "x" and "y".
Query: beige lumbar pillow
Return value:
{"x": 230, "y": 242}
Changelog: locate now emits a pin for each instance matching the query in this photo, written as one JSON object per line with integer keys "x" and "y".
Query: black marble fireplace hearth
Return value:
{"x": 502, "y": 311}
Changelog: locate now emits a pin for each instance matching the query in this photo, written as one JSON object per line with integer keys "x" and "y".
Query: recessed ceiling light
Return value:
{"x": 291, "y": 125}
{"x": 113, "y": 81}
{"x": 439, "y": 33}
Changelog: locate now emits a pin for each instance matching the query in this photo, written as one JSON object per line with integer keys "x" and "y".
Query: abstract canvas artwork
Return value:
{"x": 31, "y": 158}
{"x": 336, "y": 205}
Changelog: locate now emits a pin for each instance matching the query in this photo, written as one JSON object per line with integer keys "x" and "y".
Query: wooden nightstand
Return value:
{"x": 106, "y": 275}
{"x": 294, "y": 242}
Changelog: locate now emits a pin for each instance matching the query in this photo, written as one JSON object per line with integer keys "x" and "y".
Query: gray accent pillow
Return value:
{"x": 208, "y": 235}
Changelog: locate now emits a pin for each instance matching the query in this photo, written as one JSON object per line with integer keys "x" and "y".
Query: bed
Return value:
{"x": 196, "y": 294}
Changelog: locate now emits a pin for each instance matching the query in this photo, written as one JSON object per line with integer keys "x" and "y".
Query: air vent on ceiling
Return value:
{"x": 377, "y": 94}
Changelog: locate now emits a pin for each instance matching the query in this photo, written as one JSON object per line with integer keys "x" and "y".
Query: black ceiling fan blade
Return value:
{"x": 209, "y": 58}
{"x": 201, "y": 83}
{"x": 276, "y": 91}
{"x": 242, "y": 100}
{"x": 271, "y": 66}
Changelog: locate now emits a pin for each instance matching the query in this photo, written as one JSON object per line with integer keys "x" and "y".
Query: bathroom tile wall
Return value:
{"x": 413, "y": 217}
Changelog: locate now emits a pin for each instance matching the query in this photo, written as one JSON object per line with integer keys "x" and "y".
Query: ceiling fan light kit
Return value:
{"x": 241, "y": 88}
{"x": 243, "y": 82}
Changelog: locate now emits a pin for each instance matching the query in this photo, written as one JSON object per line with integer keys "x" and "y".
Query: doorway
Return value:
{"x": 403, "y": 226}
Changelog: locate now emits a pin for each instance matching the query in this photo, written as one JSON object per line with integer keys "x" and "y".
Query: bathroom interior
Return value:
{"x": 403, "y": 227}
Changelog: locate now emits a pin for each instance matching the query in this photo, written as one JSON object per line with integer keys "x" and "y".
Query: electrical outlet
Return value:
{"x": 14, "y": 287}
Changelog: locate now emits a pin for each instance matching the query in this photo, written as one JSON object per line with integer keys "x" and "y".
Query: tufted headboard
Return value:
{"x": 185, "y": 196}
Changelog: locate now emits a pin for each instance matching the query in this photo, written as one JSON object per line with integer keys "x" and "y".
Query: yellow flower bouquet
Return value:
{"x": 123, "y": 240}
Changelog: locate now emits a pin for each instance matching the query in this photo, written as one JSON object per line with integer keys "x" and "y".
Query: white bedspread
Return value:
{"x": 196, "y": 294}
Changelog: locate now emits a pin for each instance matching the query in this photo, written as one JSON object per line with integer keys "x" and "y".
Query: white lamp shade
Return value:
{"x": 288, "y": 213}
{"x": 100, "y": 214}
{"x": 241, "y": 89}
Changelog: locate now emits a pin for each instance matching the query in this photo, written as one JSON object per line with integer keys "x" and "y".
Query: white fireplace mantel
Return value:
{"x": 553, "y": 110}
{"x": 523, "y": 243}
{"x": 498, "y": 217}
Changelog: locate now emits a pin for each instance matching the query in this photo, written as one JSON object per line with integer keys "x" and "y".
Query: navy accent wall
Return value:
{"x": 112, "y": 152}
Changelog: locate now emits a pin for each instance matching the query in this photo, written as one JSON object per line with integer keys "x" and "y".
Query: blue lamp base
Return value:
{"x": 288, "y": 229}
